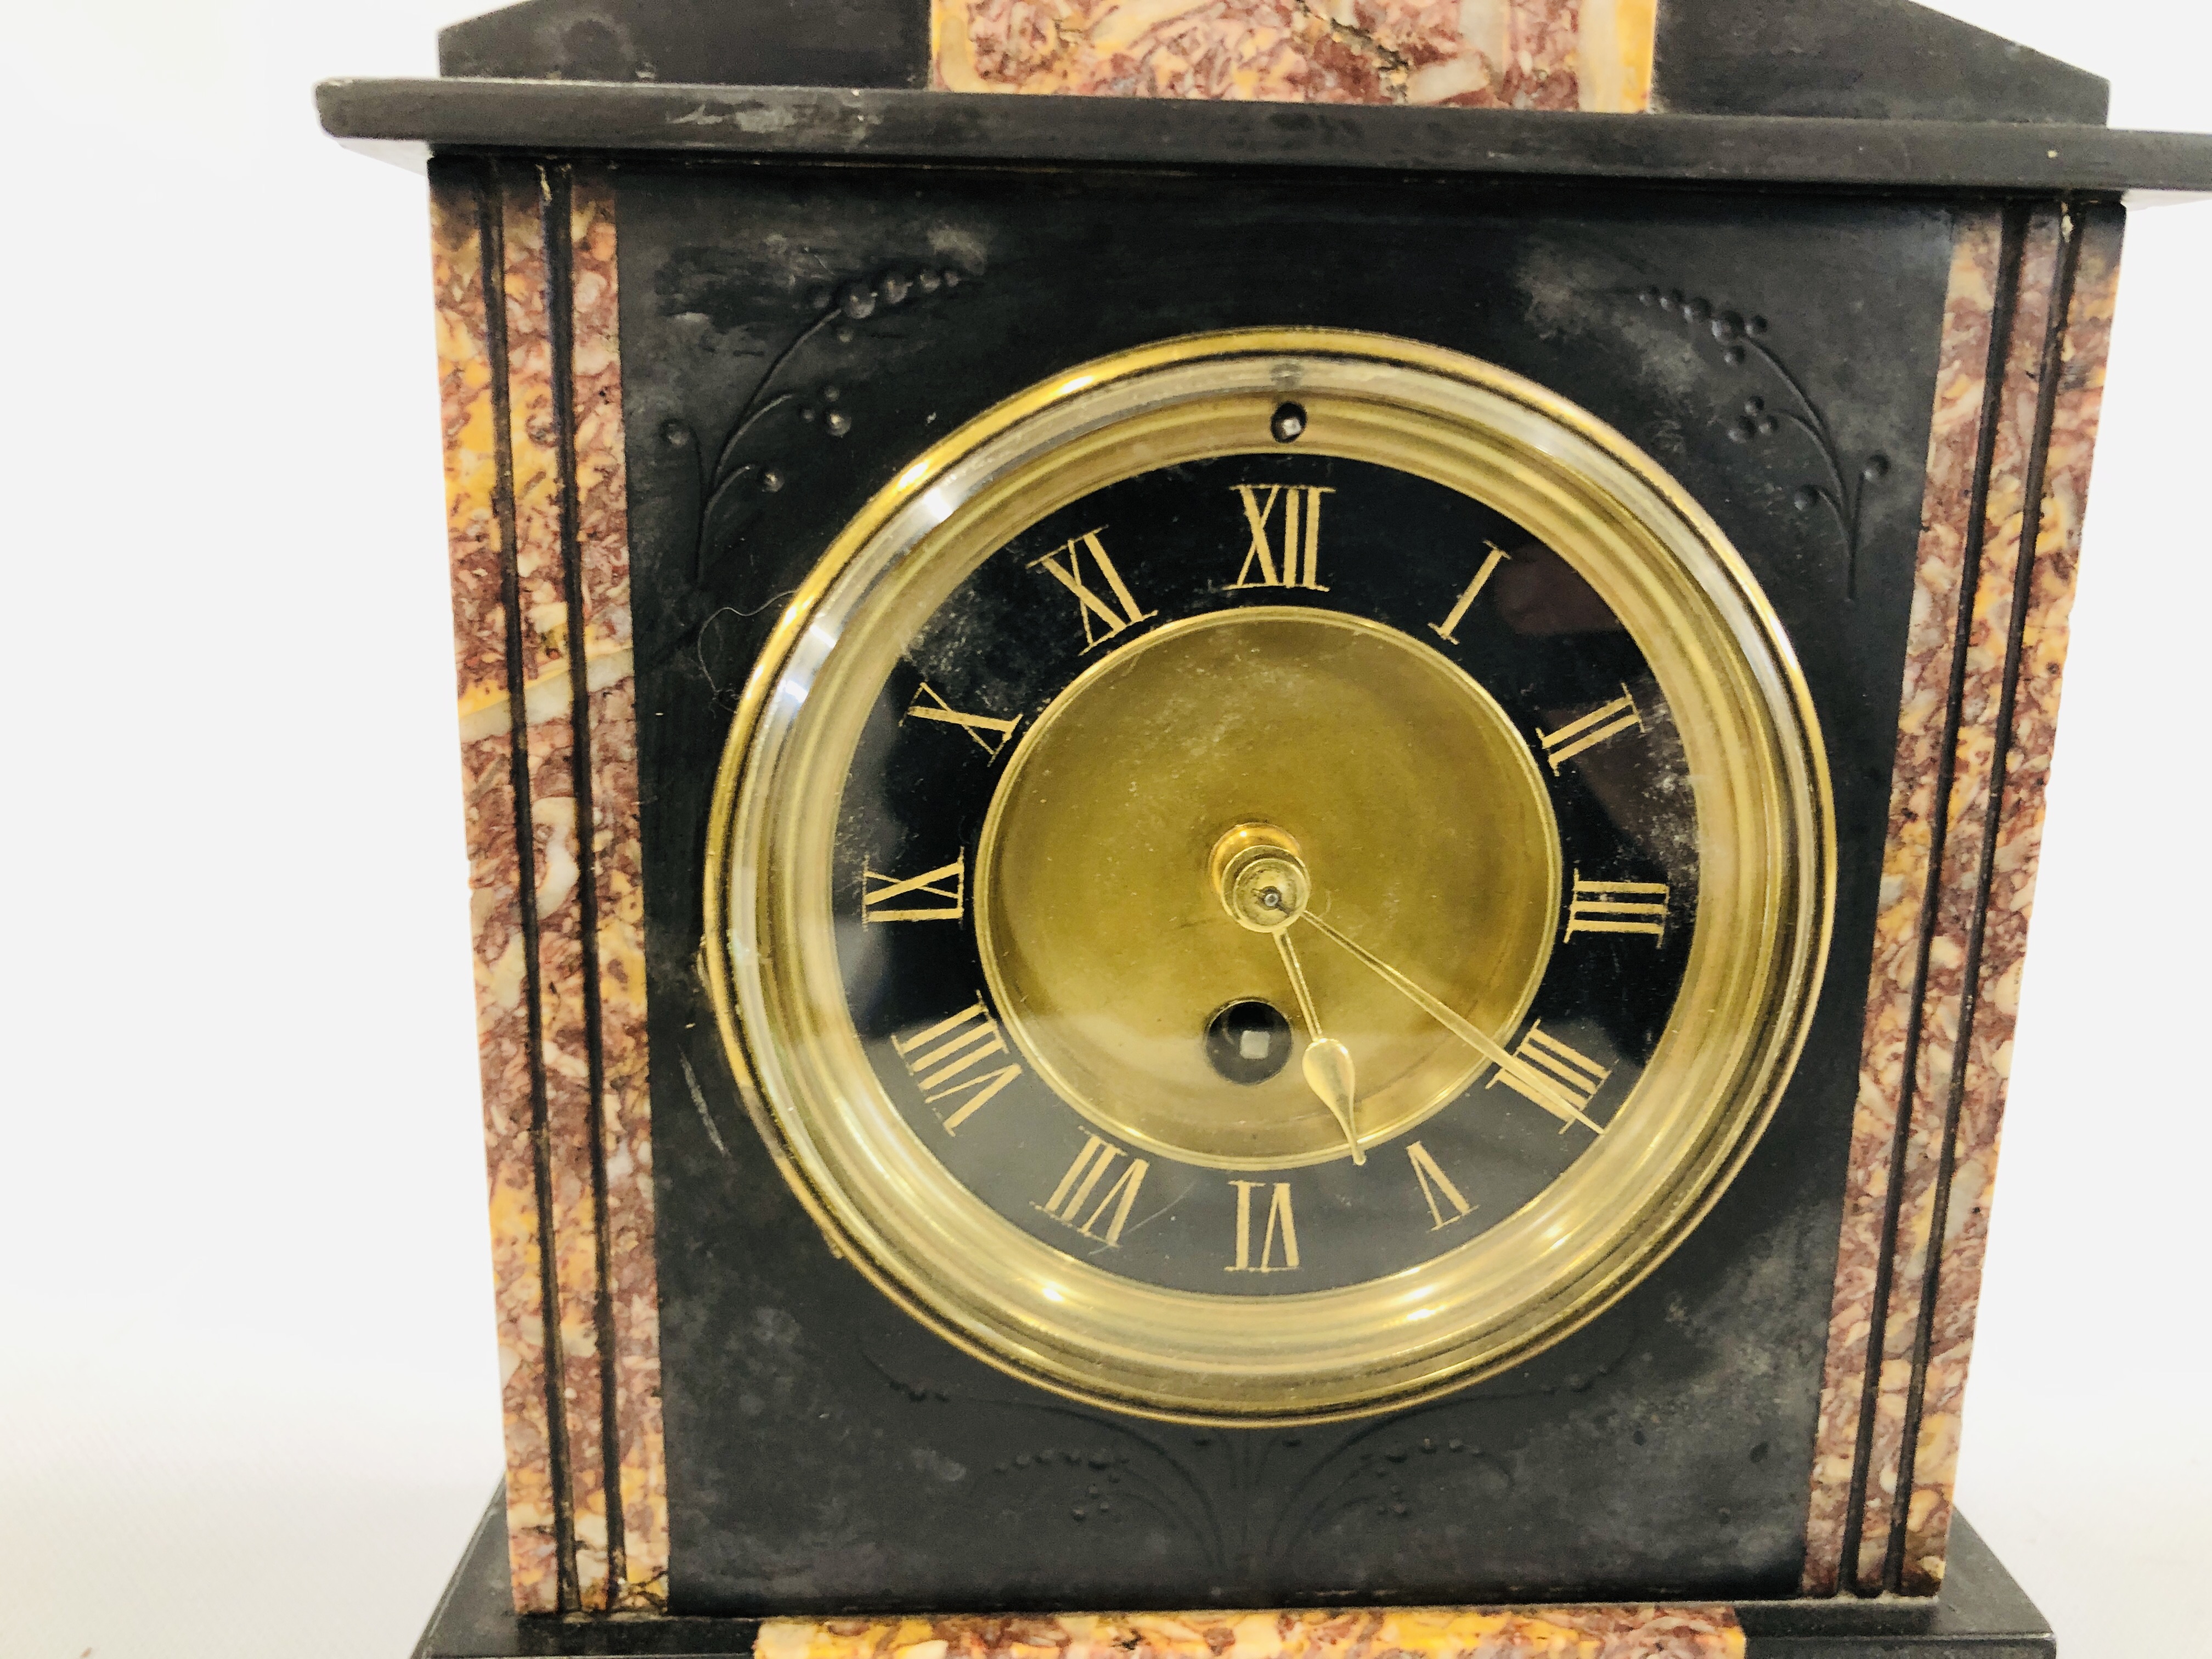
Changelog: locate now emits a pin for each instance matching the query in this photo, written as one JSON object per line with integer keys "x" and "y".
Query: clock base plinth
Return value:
{"x": 1982, "y": 1613}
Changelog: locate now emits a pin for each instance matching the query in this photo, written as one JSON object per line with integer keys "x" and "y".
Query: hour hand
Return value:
{"x": 1327, "y": 1063}
{"x": 1524, "y": 1077}
{"x": 1262, "y": 882}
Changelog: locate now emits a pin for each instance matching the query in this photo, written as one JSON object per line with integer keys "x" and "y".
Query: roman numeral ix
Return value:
{"x": 944, "y": 1059}
{"x": 1295, "y": 565}
{"x": 1102, "y": 619}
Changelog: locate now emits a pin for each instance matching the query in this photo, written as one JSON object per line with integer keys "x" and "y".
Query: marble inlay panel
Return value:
{"x": 1959, "y": 892}
{"x": 603, "y": 536}
{"x": 1517, "y": 54}
{"x": 2076, "y": 405}
{"x": 1953, "y": 449}
{"x": 1587, "y": 1632}
{"x": 1975, "y": 734}
{"x": 560, "y": 969}
{"x": 473, "y": 490}
{"x": 564, "y": 1044}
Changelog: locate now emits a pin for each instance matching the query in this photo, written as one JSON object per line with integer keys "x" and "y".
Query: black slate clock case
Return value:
{"x": 791, "y": 339}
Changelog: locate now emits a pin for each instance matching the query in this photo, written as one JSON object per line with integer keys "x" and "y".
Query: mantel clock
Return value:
{"x": 1228, "y": 857}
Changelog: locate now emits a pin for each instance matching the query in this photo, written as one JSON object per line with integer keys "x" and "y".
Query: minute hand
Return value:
{"x": 1531, "y": 1082}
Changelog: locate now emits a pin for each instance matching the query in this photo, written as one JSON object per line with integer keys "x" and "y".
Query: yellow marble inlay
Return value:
{"x": 1580, "y": 1633}
{"x": 486, "y": 711}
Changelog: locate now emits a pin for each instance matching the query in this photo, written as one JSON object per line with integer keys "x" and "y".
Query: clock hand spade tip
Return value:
{"x": 1328, "y": 1071}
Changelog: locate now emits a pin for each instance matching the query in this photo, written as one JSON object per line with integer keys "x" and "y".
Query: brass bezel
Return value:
{"x": 1766, "y": 894}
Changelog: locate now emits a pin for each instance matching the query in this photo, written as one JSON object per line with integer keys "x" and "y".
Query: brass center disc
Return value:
{"x": 1417, "y": 811}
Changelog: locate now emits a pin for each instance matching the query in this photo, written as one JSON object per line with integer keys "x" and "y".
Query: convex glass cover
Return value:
{"x": 1269, "y": 876}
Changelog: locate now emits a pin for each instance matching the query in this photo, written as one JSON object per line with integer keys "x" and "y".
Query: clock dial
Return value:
{"x": 1240, "y": 663}
{"x": 1269, "y": 877}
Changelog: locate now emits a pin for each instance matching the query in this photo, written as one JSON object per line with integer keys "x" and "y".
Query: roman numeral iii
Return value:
{"x": 938, "y": 895}
{"x": 1578, "y": 1076}
{"x": 1617, "y": 906}
{"x": 1282, "y": 558}
{"x": 1436, "y": 1189}
{"x": 1069, "y": 1198}
{"x": 990, "y": 735}
{"x": 1591, "y": 729}
{"x": 1281, "y": 1232}
{"x": 1103, "y": 618}
{"x": 944, "y": 1059}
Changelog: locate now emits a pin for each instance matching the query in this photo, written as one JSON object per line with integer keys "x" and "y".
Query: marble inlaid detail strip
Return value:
{"x": 632, "y": 1286}
{"x": 2020, "y": 358}
{"x": 1584, "y": 1632}
{"x": 1948, "y": 506}
{"x": 2040, "y": 654}
{"x": 534, "y": 435}
{"x": 1512, "y": 54}
{"x": 476, "y": 503}
{"x": 1977, "y": 703}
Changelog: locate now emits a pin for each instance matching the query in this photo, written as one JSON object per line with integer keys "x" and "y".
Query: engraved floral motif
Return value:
{"x": 798, "y": 402}
{"x": 1741, "y": 341}
{"x": 1250, "y": 1500}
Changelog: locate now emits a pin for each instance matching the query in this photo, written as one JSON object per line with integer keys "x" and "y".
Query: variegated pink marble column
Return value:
{"x": 1973, "y": 747}
{"x": 525, "y": 267}
{"x": 2076, "y": 400}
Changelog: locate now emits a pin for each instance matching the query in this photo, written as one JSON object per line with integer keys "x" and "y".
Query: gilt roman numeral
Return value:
{"x": 1103, "y": 618}
{"x": 939, "y": 895}
{"x": 1497, "y": 557}
{"x": 1436, "y": 1185}
{"x": 1617, "y": 906}
{"x": 1577, "y": 1075}
{"x": 1068, "y": 1199}
{"x": 1590, "y": 730}
{"x": 1282, "y": 556}
{"x": 991, "y": 735}
{"x": 944, "y": 1059}
{"x": 1281, "y": 1230}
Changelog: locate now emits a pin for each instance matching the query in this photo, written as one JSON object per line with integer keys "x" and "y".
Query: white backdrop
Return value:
{"x": 247, "y": 1389}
